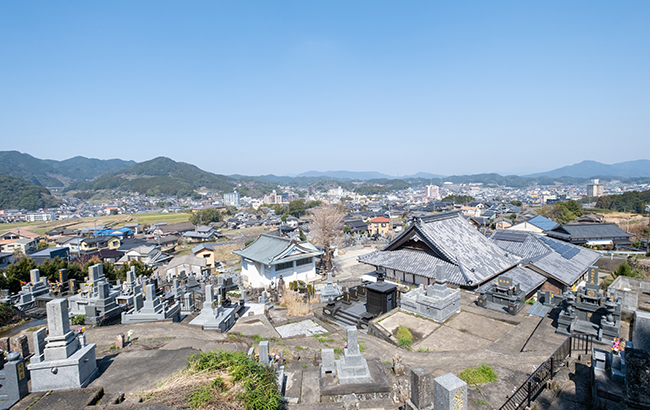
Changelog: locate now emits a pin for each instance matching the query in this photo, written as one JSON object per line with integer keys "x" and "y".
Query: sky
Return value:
{"x": 283, "y": 87}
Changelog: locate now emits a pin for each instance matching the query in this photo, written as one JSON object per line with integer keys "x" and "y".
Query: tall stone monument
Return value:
{"x": 66, "y": 364}
{"x": 330, "y": 291}
{"x": 29, "y": 292}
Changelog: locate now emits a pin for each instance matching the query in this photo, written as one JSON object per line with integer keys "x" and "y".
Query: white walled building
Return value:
{"x": 264, "y": 260}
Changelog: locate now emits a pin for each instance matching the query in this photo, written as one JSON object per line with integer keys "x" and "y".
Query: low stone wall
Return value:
{"x": 610, "y": 263}
{"x": 628, "y": 289}
{"x": 377, "y": 330}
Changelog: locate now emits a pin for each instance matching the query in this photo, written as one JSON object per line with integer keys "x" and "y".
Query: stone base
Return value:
{"x": 223, "y": 322}
{"x": 502, "y": 308}
{"x": 379, "y": 387}
{"x": 173, "y": 313}
{"x": 74, "y": 372}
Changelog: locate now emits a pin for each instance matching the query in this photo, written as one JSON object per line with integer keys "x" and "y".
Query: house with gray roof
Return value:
{"x": 536, "y": 224}
{"x": 268, "y": 257}
{"x": 604, "y": 234}
{"x": 563, "y": 265}
{"x": 469, "y": 258}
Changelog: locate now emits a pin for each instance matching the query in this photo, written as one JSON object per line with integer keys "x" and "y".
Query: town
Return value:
{"x": 432, "y": 295}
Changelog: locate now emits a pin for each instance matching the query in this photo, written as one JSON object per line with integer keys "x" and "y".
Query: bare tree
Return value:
{"x": 326, "y": 224}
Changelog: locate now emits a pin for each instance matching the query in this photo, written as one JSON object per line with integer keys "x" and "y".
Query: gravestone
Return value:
{"x": 503, "y": 295}
{"x": 421, "y": 388}
{"x": 352, "y": 367}
{"x": 437, "y": 302}
{"x": 63, "y": 275}
{"x": 39, "y": 345}
{"x": 637, "y": 378}
{"x": 330, "y": 291}
{"x": 29, "y": 292}
{"x": 21, "y": 345}
{"x": 328, "y": 364}
{"x": 119, "y": 341}
{"x": 381, "y": 296}
{"x": 590, "y": 311}
{"x": 264, "y": 300}
{"x": 152, "y": 309}
{"x": 264, "y": 352}
{"x": 13, "y": 381}
{"x": 449, "y": 393}
{"x": 66, "y": 364}
{"x": 641, "y": 334}
{"x": 214, "y": 318}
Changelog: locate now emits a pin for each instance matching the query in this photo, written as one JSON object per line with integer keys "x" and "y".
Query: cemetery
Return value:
{"x": 345, "y": 350}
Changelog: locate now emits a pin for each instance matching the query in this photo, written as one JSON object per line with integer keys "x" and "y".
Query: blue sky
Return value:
{"x": 285, "y": 87}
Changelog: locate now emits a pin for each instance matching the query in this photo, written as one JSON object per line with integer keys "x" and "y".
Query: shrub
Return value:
{"x": 259, "y": 381}
{"x": 404, "y": 337}
{"x": 478, "y": 375}
{"x": 78, "y": 320}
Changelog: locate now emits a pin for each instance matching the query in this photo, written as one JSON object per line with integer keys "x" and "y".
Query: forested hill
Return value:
{"x": 16, "y": 193}
{"x": 159, "y": 176}
{"x": 52, "y": 173}
{"x": 632, "y": 201}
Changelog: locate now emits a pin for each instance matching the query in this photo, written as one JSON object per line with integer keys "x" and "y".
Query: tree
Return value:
{"x": 205, "y": 216}
{"x": 326, "y": 227}
{"x": 458, "y": 199}
{"x": 516, "y": 202}
{"x": 297, "y": 208}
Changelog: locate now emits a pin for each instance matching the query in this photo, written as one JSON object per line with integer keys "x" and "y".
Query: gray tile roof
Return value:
{"x": 269, "y": 250}
{"x": 587, "y": 231}
{"x": 557, "y": 259}
{"x": 528, "y": 279}
{"x": 469, "y": 257}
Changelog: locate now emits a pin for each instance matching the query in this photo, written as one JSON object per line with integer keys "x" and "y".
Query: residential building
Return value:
{"x": 188, "y": 265}
{"x": 87, "y": 245}
{"x": 268, "y": 257}
{"x": 231, "y": 199}
{"x": 594, "y": 188}
{"x": 537, "y": 224}
{"x": 379, "y": 226}
{"x": 433, "y": 192}
{"x": 202, "y": 233}
{"x": 40, "y": 216}
{"x": 205, "y": 251}
{"x": 5, "y": 259}
{"x": 593, "y": 234}
{"x": 24, "y": 245}
{"x": 49, "y": 254}
{"x": 149, "y": 255}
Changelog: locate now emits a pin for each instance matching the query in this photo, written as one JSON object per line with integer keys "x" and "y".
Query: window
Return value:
{"x": 283, "y": 266}
{"x": 301, "y": 262}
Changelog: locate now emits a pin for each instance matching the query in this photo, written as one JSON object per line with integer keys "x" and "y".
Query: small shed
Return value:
{"x": 381, "y": 297}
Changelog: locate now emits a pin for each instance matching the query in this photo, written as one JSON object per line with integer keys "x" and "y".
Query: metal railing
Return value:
{"x": 528, "y": 391}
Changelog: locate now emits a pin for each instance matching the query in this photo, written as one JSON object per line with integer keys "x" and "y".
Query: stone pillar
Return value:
{"x": 641, "y": 333}
{"x": 353, "y": 341}
{"x": 119, "y": 341}
{"x": 14, "y": 382}
{"x": 39, "y": 345}
{"x": 34, "y": 276}
{"x": 21, "y": 345}
{"x": 421, "y": 388}
{"x": 449, "y": 392}
{"x": 264, "y": 352}
{"x": 328, "y": 364}
{"x": 61, "y": 342}
{"x": 4, "y": 344}
{"x": 63, "y": 275}
{"x": 96, "y": 272}
{"x": 209, "y": 297}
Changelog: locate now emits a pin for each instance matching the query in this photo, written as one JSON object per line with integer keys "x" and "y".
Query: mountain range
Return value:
{"x": 592, "y": 169}
{"x": 164, "y": 176}
{"x": 52, "y": 173}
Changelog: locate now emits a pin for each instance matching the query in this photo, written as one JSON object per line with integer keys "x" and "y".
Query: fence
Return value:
{"x": 527, "y": 392}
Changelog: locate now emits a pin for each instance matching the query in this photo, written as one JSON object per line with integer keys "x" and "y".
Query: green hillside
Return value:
{"x": 159, "y": 176}
{"x": 632, "y": 201}
{"x": 52, "y": 173}
{"x": 16, "y": 193}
